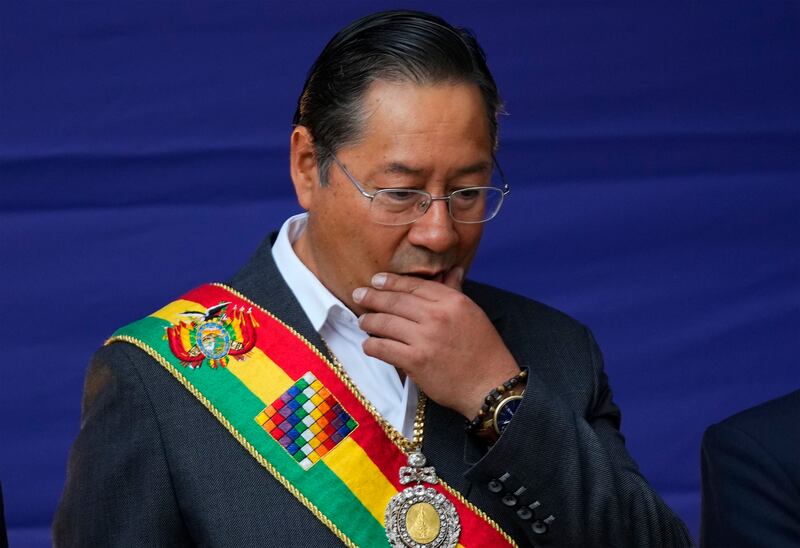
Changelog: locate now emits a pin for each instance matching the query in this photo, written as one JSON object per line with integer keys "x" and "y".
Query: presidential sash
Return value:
{"x": 295, "y": 412}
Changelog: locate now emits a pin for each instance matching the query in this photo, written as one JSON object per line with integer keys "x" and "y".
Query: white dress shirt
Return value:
{"x": 396, "y": 401}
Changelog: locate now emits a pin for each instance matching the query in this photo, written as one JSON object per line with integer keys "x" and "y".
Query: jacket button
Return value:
{"x": 539, "y": 527}
{"x": 509, "y": 500}
{"x": 524, "y": 513}
{"x": 495, "y": 486}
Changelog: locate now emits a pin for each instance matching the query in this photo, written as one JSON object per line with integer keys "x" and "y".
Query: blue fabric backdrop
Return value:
{"x": 652, "y": 153}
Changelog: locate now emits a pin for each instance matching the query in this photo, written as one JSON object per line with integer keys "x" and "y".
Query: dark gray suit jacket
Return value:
{"x": 751, "y": 477}
{"x": 152, "y": 467}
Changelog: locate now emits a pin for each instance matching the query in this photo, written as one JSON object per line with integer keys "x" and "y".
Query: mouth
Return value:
{"x": 437, "y": 276}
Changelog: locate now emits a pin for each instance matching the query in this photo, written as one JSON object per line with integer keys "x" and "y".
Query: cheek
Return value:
{"x": 359, "y": 247}
{"x": 381, "y": 244}
{"x": 341, "y": 221}
{"x": 469, "y": 236}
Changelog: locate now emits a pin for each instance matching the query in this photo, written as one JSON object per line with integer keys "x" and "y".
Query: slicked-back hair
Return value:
{"x": 393, "y": 46}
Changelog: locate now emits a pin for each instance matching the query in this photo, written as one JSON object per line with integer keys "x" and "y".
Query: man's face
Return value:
{"x": 433, "y": 138}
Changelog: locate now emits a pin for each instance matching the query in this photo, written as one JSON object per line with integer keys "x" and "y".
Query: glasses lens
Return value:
{"x": 398, "y": 207}
{"x": 475, "y": 205}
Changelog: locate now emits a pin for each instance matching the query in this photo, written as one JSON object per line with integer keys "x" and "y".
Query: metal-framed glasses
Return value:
{"x": 403, "y": 206}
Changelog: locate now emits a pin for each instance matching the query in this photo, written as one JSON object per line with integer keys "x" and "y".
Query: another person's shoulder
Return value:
{"x": 750, "y": 477}
{"x": 762, "y": 437}
{"x": 768, "y": 415}
{"x": 772, "y": 421}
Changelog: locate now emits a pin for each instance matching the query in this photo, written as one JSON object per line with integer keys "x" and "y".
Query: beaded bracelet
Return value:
{"x": 493, "y": 398}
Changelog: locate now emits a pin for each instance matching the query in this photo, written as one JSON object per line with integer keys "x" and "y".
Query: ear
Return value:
{"x": 303, "y": 166}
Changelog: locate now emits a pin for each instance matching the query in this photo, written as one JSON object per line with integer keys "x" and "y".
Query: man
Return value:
{"x": 361, "y": 307}
{"x": 751, "y": 477}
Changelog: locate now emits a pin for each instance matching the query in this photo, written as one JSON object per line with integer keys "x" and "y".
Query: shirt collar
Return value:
{"x": 315, "y": 299}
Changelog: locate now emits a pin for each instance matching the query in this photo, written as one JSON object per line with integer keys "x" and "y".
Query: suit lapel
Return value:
{"x": 444, "y": 429}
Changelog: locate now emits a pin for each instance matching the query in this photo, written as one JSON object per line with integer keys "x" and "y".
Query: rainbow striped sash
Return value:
{"x": 293, "y": 410}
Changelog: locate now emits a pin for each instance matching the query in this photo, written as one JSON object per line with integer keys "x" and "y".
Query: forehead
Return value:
{"x": 411, "y": 122}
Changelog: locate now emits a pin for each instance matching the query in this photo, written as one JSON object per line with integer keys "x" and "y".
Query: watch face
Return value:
{"x": 505, "y": 412}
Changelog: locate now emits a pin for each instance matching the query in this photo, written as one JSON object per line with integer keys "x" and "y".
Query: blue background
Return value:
{"x": 652, "y": 154}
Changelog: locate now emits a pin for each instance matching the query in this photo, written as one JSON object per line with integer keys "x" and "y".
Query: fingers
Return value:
{"x": 392, "y": 302}
{"x": 392, "y": 352}
{"x": 388, "y": 326}
{"x": 400, "y": 295}
{"x": 427, "y": 289}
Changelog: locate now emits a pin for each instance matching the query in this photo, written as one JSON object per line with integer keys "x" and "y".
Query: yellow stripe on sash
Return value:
{"x": 261, "y": 376}
{"x": 375, "y": 492}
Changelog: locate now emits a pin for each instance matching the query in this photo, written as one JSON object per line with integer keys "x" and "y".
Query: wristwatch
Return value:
{"x": 499, "y": 415}
{"x": 505, "y": 412}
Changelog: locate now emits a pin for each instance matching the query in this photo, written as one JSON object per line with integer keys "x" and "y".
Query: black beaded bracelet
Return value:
{"x": 493, "y": 398}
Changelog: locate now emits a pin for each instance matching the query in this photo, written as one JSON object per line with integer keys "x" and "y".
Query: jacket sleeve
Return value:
{"x": 748, "y": 498}
{"x": 118, "y": 490}
{"x": 563, "y": 477}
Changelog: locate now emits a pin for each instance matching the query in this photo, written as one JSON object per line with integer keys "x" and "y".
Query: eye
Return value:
{"x": 400, "y": 196}
{"x": 468, "y": 194}
{"x": 397, "y": 200}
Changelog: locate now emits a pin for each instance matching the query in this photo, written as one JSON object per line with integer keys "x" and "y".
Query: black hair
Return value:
{"x": 394, "y": 46}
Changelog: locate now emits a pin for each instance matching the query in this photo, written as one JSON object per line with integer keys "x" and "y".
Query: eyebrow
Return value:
{"x": 403, "y": 169}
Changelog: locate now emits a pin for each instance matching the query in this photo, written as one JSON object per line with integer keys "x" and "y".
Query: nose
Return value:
{"x": 435, "y": 230}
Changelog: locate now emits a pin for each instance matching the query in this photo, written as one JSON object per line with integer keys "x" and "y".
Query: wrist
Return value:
{"x": 493, "y": 377}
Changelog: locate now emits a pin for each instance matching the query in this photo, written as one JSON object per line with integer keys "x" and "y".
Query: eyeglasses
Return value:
{"x": 403, "y": 206}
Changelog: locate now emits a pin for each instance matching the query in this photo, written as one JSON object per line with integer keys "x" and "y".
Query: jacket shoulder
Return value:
{"x": 498, "y": 302}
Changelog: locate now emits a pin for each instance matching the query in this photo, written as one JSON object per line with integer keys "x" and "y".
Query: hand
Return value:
{"x": 437, "y": 336}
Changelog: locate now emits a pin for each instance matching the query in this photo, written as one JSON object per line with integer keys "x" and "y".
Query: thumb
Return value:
{"x": 454, "y": 278}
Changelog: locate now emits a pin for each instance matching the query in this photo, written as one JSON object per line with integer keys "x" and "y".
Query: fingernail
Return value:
{"x": 358, "y": 293}
{"x": 378, "y": 280}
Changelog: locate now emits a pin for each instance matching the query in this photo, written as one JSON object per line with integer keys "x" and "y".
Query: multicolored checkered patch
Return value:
{"x": 307, "y": 420}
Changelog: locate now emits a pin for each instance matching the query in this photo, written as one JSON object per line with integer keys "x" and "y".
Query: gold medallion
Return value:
{"x": 420, "y": 516}
{"x": 422, "y": 523}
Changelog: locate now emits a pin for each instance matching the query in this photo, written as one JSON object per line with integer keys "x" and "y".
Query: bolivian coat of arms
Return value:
{"x": 213, "y": 337}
